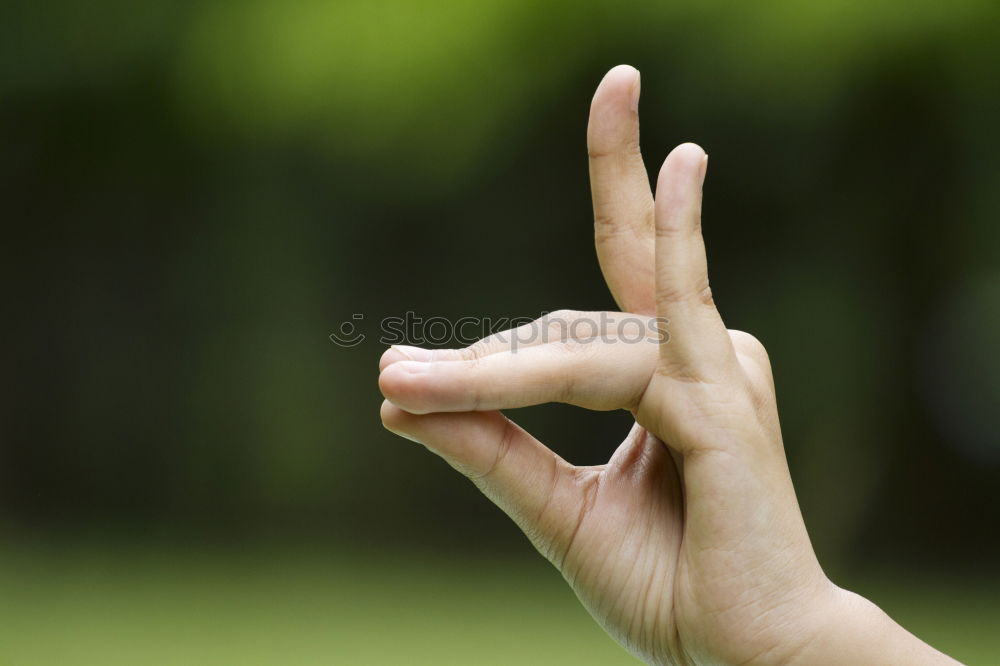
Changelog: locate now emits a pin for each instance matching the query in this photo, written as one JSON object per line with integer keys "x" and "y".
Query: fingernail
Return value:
{"x": 414, "y": 367}
{"x": 415, "y": 353}
{"x": 636, "y": 90}
{"x": 704, "y": 168}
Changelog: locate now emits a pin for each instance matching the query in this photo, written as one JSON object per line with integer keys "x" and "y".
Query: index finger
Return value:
{"x": 598, "y": 375}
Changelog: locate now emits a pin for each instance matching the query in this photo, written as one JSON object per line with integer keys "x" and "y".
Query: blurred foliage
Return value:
{"x": 196, "y": 194}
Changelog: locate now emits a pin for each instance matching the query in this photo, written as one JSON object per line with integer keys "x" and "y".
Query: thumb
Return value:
{"x": 526, "y": 479}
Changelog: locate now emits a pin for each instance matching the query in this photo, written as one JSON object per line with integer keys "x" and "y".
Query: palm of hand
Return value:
{"x": 675, "y": 582}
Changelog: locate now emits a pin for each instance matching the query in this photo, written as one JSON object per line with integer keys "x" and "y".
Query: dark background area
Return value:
{"x": 195, "y": 195}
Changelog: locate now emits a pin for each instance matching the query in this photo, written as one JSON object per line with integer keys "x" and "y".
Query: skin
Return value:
{"x": 688, "y": 546}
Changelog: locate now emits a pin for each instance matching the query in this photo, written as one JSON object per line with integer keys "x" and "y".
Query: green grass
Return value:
{"x": 288, "y": 610}
{"x": 156, "y": 608}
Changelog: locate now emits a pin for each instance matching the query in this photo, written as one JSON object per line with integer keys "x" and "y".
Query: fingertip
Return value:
{"x": 623, "y": 76}
{"x": 390, "y": 414}
{"x": 396, "y": 421}
{"x": 401, "y": 383}
{"x": 624, "y": 68}
{"x": 683, "y": 167}
{"x": 617, "y": 95}
{"x": 687, "y": 156}
{"x": 389, "y": 356}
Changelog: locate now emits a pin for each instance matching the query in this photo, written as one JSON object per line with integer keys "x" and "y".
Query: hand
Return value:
{"x": 688, "y": 545}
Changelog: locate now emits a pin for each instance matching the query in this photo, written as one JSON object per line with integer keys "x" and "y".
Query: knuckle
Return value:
{"x": 606, "y": 228}
{"x": 556, "y": 326}
{"x": 670, "y": 294}
{"x": 589, "y": 485}
{"x": 611, "y": 225}
{"x": 547, "y": 506}
{"x": 621, "y": 150}
{"x": 477, "y": 350}
{"x": 700, "y": 294}
{"x": 704, "y": 296}
{"x": 667, "y": 230}
{"x": 750, "y": 346}
{"x": 757, "y": 385}
{"x": 503, "y": 447}
{"x": 565, "y": 314}
{"x": 473, "y": 362}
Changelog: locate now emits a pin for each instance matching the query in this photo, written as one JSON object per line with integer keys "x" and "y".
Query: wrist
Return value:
{"x": 850, "y": 629}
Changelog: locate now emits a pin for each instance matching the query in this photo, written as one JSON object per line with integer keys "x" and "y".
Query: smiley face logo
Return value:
{"x": 347, "y": 335}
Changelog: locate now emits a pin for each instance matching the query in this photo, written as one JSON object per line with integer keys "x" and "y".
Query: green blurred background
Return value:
{"x": 195, "y": 195}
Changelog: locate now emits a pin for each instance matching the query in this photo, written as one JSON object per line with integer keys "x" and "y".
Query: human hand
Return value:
{"x": 688, "y": 545}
